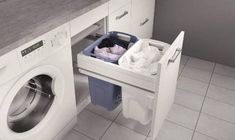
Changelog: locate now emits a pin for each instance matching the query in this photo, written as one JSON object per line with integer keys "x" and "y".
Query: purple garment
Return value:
{"x": 113, "y": 53}
{"x": 116, "y": 49}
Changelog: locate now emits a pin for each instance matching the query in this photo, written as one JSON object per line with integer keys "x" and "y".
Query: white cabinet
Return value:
{"x": 114, "y": 5}
{"x": 84, "y": 21}
{"x": 142, "y": 18}
{"x": 132, "y": 16}
{"x": 120, "y": 20}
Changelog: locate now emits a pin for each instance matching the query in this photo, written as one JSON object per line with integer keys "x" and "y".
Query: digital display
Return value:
{"x": 31, "y": 48}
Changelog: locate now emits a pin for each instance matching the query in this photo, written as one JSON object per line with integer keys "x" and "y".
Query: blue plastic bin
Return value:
{"x": 104, "y": 93}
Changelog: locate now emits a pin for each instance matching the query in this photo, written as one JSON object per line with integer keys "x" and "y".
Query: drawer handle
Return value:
{"x": 175, "y": 56}
{"x": 121, "y": 16}
{"x": 143, "y": 23}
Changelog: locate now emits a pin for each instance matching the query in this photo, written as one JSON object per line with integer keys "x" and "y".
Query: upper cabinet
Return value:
{"x": 132, "y": 16}
{"x": 142, "y": 18}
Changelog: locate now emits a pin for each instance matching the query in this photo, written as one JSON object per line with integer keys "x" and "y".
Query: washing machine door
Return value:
{"x": 31, "y": 104}
{"x": 33, "y": 101}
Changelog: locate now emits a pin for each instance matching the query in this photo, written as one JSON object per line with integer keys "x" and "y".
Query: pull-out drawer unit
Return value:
{"x": 159, "y": 88}
{"x": 114, "y": 73}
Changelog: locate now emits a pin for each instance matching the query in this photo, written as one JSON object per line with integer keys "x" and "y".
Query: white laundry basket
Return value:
{"x": 153, "y": 51}
{"x": 138, "y": 103}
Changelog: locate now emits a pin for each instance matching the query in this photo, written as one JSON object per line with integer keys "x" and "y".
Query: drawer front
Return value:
{"x": 117, "y": 4}
{"x": 143, "y": 28}
{"x": 9, "y": 67}
{"x": 141, "y": 7}
{"x": 84, "y": 21}
{"x": 120, "y": 20}
{"x": 169, "y": 67}
{"x": 142, "y": 20}
{"x": 114, "y": 74}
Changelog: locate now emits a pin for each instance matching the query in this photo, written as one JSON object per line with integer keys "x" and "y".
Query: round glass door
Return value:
{"x": 31, "y": 104}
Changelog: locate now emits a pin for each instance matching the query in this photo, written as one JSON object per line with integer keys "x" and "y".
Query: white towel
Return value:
{"x": 144, "y": 59}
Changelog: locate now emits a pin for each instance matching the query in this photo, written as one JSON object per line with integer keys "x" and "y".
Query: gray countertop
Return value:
{"x": 24, "y": 20}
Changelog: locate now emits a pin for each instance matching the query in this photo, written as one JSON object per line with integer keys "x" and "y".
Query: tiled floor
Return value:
{"x": 204, "y": 109}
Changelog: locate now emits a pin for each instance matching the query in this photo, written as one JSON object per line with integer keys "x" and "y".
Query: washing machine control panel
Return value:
{"x": 48, "y": 44}
{"x": 44, "y": 46}
{"x": 60, "y": 39}
{"x": 32, "y": 48}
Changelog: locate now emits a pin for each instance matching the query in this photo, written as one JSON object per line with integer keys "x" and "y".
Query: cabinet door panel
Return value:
{"x": 143, "y": 28}
{"x": 169, "y": 68}
{"x": 120, "y": 20}
{"x": 84, "y": 21}
{"x": 142, "y": 18}
{"x": 114, "y": 5}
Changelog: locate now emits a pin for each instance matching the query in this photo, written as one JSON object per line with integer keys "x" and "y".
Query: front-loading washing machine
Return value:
{"x": 37, "y": 97}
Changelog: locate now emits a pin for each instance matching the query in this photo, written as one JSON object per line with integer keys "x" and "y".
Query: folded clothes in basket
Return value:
{"x": 113, "y": 53}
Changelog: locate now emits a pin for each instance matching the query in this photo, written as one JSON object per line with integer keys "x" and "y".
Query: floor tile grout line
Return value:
{"x": 130, "y": 129}
{"x": 114, "y": 120}
{"x": 214, "y": 64}
{"x": 207, "y": 135}
{"x": 187, "y": 107}
{"x": 206, "y": 97}
{"x": 148, "y": 134}
{"x": 187, "y": 60}
{"x": 190, "y": 91}
{"x": 220, "y": 101}
{"x": 109, "y": 126}
{"x": 229, "y": 66}
{"x": 125, "y": 126}
{"x": 224, "y": 75}
{"x": 206, "y": 70}
{"x": 149, "y": 130}
{"x": 83, "y": 134}
{"x": 183, "y": 67}
{"x": 196, "y": 79}
{"x": 179, "y": 125}
{"x": 111, "y": 120}
{"x": 203, "y": 103}
{"x": 218, "y": 118}
{"x": 222, "y": 87}
{"x": 181, "y": 71}
{"x": 117, "y": 116}
{"x": 200, "y": 69}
